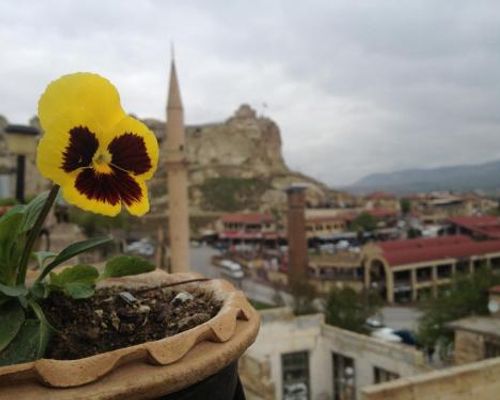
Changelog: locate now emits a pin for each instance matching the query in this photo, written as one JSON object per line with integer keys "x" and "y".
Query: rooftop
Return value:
{"x": 486, "y": 225}
{"x": 402, "y": 252}
{"x": 248, "y": 218}
{"x": 483, "y": 325}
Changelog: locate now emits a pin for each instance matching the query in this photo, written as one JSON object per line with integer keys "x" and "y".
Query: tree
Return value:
{"x": 364, "y": 222}
{"x": 349, "y": 309}
{"x": 405, "y": 205}
{"x": 303, "y": 294}
{"x": 467, "y": 296}
{"x": 414, "y": 233}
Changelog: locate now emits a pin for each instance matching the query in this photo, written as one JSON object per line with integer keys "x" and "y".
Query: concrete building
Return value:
{"x": 176, "y": 161}
{"x": 302, "y": 357}
{"x": 478, "y": 381}
{"x": 406, "y": 270}
{"x": 296, "y": 233}
{"x": 478, "y": 337}
{"x": 478, "y": 227}
{"x": 382, "y": 200}
{"x": 325, "y": 226}
{"x": 248, "y": 227}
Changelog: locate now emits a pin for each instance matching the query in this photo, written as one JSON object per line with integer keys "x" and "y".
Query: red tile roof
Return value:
{"x": 380, "y": 196}
{"x": 381, "y": 213}
{"x": 402, "y": 252}
{"x": 327, "y": 218}
{"x": 495, "y": 289}
{"x": 247, "y": 218}
{"x": 486, "y": 225}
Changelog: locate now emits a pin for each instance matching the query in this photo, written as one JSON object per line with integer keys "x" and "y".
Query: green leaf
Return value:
{"x": 32, "y": 210}
{"x": 13, "y": 291}
{"x": 126, "y": 265}
{"x": 11, "y": 319}
{"x": 44, "y": 332}
{"x": 42, "y": 256}
{"x": 9, "y": 240}
{"x": 80, "y": 273}
{"x": 9, "y": 223}
{"x": 79, "y": 290}
{"x": 77, "y": 282}
{"x": 25, "y": 346}
{"x": 73, "y": 250}
{"x": 39, "y": 290}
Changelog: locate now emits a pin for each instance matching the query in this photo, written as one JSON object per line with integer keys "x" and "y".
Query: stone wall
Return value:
{"x": 478, "y": 381}
{"x": 369, "y": 353}
{"x": 469, "y": 347}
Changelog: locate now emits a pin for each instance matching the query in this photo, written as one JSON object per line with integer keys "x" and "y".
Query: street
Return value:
{"x": 394, "y": 317}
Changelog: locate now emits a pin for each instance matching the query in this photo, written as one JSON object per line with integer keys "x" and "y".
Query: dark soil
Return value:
{"x": 116, "y": 318}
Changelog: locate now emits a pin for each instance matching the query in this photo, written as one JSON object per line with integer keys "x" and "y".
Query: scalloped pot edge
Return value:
{"x": 219, "y": 329}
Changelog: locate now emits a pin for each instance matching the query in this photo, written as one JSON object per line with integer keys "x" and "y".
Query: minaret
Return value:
{"x": 178, "y": 219}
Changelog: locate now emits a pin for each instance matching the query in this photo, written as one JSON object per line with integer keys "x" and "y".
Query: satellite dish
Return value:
{"x": 493, "y": 306}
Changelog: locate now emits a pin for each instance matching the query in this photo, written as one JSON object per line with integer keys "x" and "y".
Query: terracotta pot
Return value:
{"x": 148, "y": 370}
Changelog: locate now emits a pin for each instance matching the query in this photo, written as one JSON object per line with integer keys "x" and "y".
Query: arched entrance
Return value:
{"x": 377, "y": 277}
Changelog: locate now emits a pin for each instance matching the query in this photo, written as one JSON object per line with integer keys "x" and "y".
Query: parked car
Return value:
{"x": 231, "y": 269}
{"x": 295, "y": 391}
{"x": 387, "y": 335}
{"x": 142, "y": 247}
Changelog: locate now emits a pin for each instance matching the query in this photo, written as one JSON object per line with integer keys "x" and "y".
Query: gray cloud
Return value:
{"x": 357, "y": 87}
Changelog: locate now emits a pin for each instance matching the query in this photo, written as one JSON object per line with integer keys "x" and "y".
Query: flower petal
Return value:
{"x": 81, "y": 149}
{"x": 129, "y": 125}
{"x": 73, "y": 196}
{"x": 129, "y": 153}
{"x": 76, "y": 100}
{"x": 104, "y": 193}
{"x": 79, "y": 99}
{"x": 141, "y": 206}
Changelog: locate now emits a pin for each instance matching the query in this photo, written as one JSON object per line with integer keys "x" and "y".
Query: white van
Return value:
{"x": 231, "y": 269}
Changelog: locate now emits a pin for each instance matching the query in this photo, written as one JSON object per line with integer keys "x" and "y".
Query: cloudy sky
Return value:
{"x": 356, "y": 86}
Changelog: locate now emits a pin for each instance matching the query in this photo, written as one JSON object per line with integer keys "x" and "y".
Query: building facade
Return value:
{"x": 302, "y": 357}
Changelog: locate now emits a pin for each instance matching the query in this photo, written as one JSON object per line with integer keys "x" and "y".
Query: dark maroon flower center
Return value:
{"x": 128, "y": 155}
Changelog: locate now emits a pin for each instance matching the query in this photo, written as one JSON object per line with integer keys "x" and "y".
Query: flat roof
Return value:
{"x": 484, "y": 325}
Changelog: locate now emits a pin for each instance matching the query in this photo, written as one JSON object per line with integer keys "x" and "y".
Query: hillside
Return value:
{"x": 236, "y": 165}
{"x": 484, "y": 176}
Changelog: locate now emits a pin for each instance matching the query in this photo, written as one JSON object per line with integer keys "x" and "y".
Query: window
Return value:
{"x": 491, "y": 350}
{"x": 295, "y": 372}
{"x": 381, "y": 375}
{"x": 344, "y": 377}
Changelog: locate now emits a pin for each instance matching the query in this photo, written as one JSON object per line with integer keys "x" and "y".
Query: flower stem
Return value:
{"x": 35, "y": 233}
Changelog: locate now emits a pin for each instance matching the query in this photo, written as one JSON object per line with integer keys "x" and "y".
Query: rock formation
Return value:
{"x": 239, "y": 159}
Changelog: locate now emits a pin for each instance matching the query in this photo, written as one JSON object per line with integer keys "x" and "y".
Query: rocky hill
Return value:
{"x": 236, "y": 165}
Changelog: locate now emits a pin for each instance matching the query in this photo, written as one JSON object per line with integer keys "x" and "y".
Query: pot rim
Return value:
{"x": 164, "y": 352}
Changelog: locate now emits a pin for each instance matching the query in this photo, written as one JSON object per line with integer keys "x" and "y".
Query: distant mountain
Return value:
{"x": 458, "y": 178}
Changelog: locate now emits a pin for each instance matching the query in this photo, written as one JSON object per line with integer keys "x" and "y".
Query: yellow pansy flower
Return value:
{"x": 100, "y": 156}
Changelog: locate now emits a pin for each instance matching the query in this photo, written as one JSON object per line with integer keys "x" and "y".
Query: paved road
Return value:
{"x": 401, "y": 317}
{"x": 394, "y": 317}
{"x": 201, "y": 262}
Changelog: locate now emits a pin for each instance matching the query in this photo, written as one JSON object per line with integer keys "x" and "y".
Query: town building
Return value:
{"x": 383, "y": 200}
{"x": 252, "y": 227}
{"x": 477, "y": 227}
{"x": 478, "y": 337}
{"x": 406, "y": 270}
{"x": 478, "y": 381}
{"x": 302, "y": 357}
